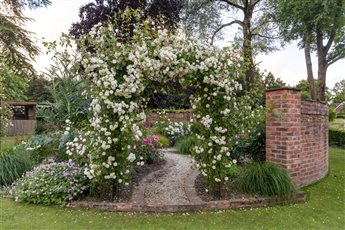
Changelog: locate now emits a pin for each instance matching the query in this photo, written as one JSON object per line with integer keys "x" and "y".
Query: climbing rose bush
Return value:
{"x": 54, "y": 183}
{"x": 119, "y": 73}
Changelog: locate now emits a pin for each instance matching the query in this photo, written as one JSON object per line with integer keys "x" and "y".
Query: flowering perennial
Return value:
{"x": 54, "y": 183}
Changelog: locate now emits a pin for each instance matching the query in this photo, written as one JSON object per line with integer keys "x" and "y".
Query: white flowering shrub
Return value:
{"x": 120, "y": 72}
{"x": 177, "y": 130}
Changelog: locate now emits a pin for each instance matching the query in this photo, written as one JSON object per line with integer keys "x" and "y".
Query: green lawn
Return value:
{"x": 325, "y": 209}
{"x": 338, "y": 124}
{"x": 9, "y": 141}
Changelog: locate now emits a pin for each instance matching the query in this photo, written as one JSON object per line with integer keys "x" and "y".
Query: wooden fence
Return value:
{"x": 21, "y": 127}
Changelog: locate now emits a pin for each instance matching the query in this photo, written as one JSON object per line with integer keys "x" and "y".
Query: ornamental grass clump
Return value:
{"x": 186, "y": 145}
{"x": 13, "y": 163}
{"x": 54, "y": 183}
{"x": 265, "y": 179}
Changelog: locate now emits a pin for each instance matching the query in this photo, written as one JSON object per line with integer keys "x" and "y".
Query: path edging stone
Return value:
{"x": 211, "y": 205}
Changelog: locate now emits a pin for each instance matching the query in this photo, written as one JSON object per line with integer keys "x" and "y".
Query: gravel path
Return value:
{"x": 174, "y": 184}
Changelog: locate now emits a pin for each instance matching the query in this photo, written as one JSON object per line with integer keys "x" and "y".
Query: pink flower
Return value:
{"x": 155, "y": 138}
{"x": 147, "y": 141}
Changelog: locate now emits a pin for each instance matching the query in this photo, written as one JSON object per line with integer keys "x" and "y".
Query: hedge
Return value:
{"x": 337, "y": 137}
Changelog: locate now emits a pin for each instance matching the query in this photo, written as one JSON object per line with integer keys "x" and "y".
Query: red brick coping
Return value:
{"x": 212, "y": 205}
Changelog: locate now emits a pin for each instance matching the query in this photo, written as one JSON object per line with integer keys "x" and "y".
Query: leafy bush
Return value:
{"x": 177, "y": 130}
{"x": 54, "y": 183}
{"x": 265, "y": 179}
{"x": 253, "y": 147}
{"x": 13, "y": 163}
{"x": 337, "y": 137}
{"x": 161, "y": 123}
{"x": 332, "y": 114}
{"x": 186, "y": 145}
{"x": 163, "y": 140}
{"x": 149, "y": 149}
{"x": 49, "y": 145}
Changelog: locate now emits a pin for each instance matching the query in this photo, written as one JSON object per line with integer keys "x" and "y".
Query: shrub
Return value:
{"x": 337, "y": 137}
{"x": 49, "y": 145}
{"x": 13, "y": 163}
{"x": 253, "y": 147}
{"x": 332, "y": 114}
{"x": 54, "y": 183}
{"x": 163, "y": 140}
{"x": 177, "y": 130}
{"x": 186, "y": 145}
{"x": 265, "y": 179}
{"x": 149, "y": 149}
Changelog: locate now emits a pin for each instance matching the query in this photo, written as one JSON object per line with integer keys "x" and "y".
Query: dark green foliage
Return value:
{"x": 254, "y": 147}
{"x": 186, "y": 144}
{"x": 102, "y": 11}
{"x": 341, "y": 115}
{"x": 332, "y": 114}
{"x": 337, "y": 137}
{"x": 303, "y": 85}
{"x": 265, "y": 179}
{"x": 38, "y": 90}
{"x": 13, "y": 163}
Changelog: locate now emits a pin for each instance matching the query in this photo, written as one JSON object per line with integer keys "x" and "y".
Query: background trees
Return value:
{"x": 318, "y": 25}
{"x": 339, "y": 91}
{"x": 249, "y": 17}
{"x": 17, "y": 49}
{"x": 102, "y": 11}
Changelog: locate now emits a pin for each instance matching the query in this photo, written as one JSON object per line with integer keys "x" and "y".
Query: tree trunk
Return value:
{"x": 308, "y": 38}
{"x": 321, "y": 78}
{"x": 247, "y": 47}
{"x": 322, "y": 66}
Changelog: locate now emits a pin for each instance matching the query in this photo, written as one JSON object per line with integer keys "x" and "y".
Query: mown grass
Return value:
{"x": 325, "y": 209}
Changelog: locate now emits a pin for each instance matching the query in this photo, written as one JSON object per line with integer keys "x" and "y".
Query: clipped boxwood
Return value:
{"x": 337, "y": 137}
{"x": 54, "y": 183}
{"x": 265, "y": 179}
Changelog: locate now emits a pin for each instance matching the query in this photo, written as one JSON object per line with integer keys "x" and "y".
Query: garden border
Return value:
{"x": 211, "y": 205}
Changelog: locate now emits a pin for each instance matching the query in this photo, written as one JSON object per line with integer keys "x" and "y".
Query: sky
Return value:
{"x": 288, "y": 64}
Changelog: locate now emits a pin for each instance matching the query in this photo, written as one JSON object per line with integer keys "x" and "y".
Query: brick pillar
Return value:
{"x": 283, "y": 129}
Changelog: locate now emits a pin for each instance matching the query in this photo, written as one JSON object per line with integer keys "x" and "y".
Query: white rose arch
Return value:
{"x": 122, "y": 74}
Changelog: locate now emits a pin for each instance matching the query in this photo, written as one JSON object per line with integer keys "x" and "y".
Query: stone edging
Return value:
{"x": 212, "y": 205}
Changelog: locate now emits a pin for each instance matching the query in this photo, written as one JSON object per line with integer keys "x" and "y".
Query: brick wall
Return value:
{"x": 297, "y": 135}
{"x": 179, "y": 116}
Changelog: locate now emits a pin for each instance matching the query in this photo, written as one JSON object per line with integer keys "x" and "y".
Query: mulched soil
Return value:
{"x": 125, "y": 193}
{"x": 231, "y": 192}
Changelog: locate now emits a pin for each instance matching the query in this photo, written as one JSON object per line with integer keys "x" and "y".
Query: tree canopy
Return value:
{"x": 17, "y": 48}
{"x": 319, "y": 26}
{"x": 102, "y": 11}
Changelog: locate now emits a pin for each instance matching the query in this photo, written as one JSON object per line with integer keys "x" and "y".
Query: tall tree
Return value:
{"x": 17, "y": 49}
{"x": 111, "y": 10}
{"x": 319, "y": 25}
{"x": 249, "y": 16}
